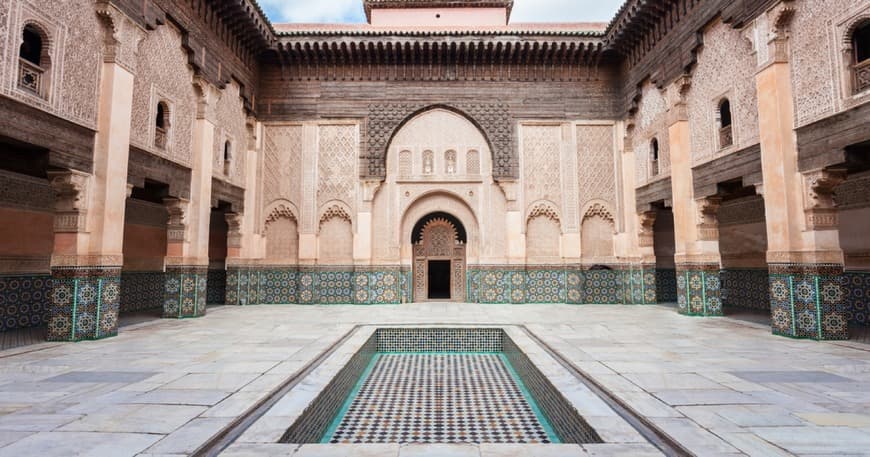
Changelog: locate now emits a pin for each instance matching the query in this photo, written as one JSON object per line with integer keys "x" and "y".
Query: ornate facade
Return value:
{"x": 176, "y": 154}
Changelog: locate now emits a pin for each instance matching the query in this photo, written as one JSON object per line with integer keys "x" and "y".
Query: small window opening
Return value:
{"x": 228, "y": 157}
{"x": 654, "y": 157}
{"x": 726, "y": 134}
{"x": 861, "y": 47}
{"x": 31, "y": 46}
{"x": 161, "y": 124}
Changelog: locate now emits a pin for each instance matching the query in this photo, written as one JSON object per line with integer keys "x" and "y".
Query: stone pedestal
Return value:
{"x": 699, "y": 289}
{"x": 84, "y": 303}
{"x": 807, "y": 301}
{"x": 184, "y": 293}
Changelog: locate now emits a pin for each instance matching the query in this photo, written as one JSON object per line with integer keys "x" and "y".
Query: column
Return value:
{"x": 804, "y": 256}
{"x": 646, "y": 248}
{"x": 696, "y": 236}
{"x": 242, "y": 236}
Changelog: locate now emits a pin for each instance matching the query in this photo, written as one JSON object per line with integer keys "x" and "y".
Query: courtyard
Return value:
{"x": 168, "y": 387}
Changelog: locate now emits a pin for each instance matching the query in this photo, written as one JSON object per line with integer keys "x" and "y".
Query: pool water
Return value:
{"x": 440, "y": 398}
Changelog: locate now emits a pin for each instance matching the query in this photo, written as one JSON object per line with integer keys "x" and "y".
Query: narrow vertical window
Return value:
{"x": 161, "y": 126}
{"x": 726, "y": 134}
{"x": 654, "y": 157}
{"x": 228, "y": 157}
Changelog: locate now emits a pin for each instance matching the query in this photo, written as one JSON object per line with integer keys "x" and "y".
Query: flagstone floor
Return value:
{"x": 719, "y": 386}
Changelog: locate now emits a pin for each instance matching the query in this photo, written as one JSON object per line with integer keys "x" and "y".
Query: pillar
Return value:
{"x": 804, "y": 256}
{"x": 242, "y": 236}
{"x": 696, "y": 236}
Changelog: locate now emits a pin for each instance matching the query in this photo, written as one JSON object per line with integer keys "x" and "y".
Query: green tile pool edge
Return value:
{"x": 545, "y": 423}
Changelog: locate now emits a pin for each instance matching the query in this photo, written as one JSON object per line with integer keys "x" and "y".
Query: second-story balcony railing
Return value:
{"x": 30, "y": 77}
{"x": 862, "y": 76}
{"x": 726, "y": 138}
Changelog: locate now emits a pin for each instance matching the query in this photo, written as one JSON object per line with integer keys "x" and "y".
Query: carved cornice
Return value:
{"x": 369, "y": 5}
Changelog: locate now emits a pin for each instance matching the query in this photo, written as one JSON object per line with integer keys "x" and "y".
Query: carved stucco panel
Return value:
{"x": 76, "y": 51}
{"x": 231, "y": 125}
{"x": 541, "y": 163}
{"x": 725, "y": 69}
{"x": 814, "y": 52}
{"x": 337, "y": 175}
{"x": 282, "y": 163}
{"x": 651, "y": 122}
{"x": 163, "y": 73}
{"x": 596, "y": 163}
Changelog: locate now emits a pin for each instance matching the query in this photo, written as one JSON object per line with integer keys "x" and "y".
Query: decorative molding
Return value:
{"x": 544, "y": 209}
{"x": 335, "y": 211}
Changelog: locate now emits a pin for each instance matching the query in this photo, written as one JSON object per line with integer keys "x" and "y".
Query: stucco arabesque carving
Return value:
{"x": 780, "y": 17}
{"x": 71, "y": 200}
{"x": 646, "y": 224}
{"x": 335, "y": 211}
{"x": 207, "y": 97}
{"x": 820, "y": 207}
{"x": 543, "y": 209}
{"x": 280, "y": 211}
{"x": 677, "y": 98}
{"x": 122, "y": 36}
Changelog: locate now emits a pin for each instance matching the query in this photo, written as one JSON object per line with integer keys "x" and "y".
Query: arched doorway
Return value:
{"x": 439, "y": 242}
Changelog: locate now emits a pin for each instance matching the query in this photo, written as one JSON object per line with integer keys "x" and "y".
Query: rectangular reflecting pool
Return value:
{"x": 438, "y": 385}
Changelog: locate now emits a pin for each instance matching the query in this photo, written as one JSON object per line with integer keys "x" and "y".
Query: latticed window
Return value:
{"x": 33, "y": 62}
{"x": 726, "y": 134}
{"x": 654, "y": 157}
{"x": 861, "y": 49}
{"x": 161, "y": 126}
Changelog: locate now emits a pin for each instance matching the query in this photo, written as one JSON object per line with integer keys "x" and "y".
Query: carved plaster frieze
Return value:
{"x": 71, "y": 189}
{"x": 73, "y": 260}
{"x": 819, "y": 205}
{"x": 806, "y": 257}
{"x": 178, "y": 209}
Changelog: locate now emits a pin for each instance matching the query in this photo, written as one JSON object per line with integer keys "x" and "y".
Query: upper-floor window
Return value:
{"x": 654, "y": 157}
{"x": 726, "y": 136}
{"x": 861, "y": 50}
{"x": 33, "y": 61}
{"x": 228, "y": 157}
{"x": 161, "y": 125}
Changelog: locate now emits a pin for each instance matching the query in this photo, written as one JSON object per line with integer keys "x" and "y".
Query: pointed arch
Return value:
{"x": 543, "y": 232}
{"x": 597, "y": 231}
{"x": 335, "y": 234}
{"x": 280, "y": 229}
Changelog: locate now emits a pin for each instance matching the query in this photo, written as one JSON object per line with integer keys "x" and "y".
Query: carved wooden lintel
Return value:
{"x": 71, "y": 200}
{"x": 177, "y": 225}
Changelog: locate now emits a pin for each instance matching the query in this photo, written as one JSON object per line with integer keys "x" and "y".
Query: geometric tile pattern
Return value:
{"x": 567, "y": 423}
{"x": 569, "y": 284}
{"x": 439, "y": 398}
{"x": 666, "y": 285}
{"x": 185, "y": 291}
{"x": 807, "y": 301}
{"x": 217, "y": 286}
{"x": 85, "y": 302}
{"x": 439, "y": 339}
{"x": 141, "y": 290}
{"x": 746, "y": 288}
{"x": 856, "y": 285}
{"x": 320, "y": 413}
{"x": 698, "y": 290}
{"x": 24, "y": 301}
{"x": 315, "y": 285}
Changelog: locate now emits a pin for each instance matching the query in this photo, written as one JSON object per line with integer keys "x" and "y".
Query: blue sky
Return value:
{"x": 524, "y": 10}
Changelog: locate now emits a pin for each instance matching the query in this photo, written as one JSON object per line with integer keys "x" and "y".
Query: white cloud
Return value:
{"x": 524, "y": 10}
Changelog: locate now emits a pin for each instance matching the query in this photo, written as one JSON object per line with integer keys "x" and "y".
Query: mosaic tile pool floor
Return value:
{"x": 440, "y": 398}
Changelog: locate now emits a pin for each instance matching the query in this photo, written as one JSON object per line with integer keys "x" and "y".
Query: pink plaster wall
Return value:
{"x": 144, "y": 247}
{"x": 428, "y": 17}
{"x": 26, "y": 233}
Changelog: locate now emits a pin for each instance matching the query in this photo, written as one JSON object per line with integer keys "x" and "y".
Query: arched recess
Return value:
{"x": 446, "y": 202}
{"x": 439, "y": 258}
{"x": 335, "y": 235}
{"x": 494, "y": 124}
{"x": 596, "y": 232}
{"x": 543, "y": 233}
{"x": 281, "y": 232}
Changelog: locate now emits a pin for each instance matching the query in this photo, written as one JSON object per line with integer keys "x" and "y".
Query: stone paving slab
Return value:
{"x": 718, "y": 385}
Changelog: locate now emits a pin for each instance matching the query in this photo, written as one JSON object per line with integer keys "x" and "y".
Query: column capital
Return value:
{"x": 647, "y": 220}
{"x": 122, "y": 36}
{"x": 234, "y": 233}
{"x": 708, "y": 218}
{"x": 676, "y": 96}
